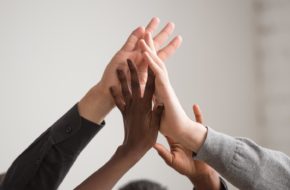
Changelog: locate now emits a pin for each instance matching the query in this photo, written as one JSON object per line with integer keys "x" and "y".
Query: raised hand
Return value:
{"x": 141, "y": 123}
{"x": 179, "y": 158}
{"x": 175, "y": 123}
{"x": 131, "y": 50}
{"x": 97, "y": 103}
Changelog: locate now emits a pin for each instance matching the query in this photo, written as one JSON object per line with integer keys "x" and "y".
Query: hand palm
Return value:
{"x": 131, "y": 50}
{"x": 183, "y": 163}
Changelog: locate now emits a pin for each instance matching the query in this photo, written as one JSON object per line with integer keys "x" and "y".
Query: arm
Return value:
{"x": 89, "y": 105}
{"x": 141, "y": 125}
{"x": 44, "y": 164}
{"x": 241, "y": 161}
{"x": 179, "y": 158}
{"x": 175, "y": 123}
{"x": 38, "y": 166}
{"x": 183, "y": 134}
{"x": 244, "y": 163}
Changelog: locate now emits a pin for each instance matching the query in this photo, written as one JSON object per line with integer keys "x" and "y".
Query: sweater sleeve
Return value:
{"x": 244, "y": 163}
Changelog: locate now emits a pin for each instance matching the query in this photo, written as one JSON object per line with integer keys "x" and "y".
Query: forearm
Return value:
{"x": 96, "y": 104}
{"x": 109, "y": 174}
{"x": 244, "y": 163}
{"x": 209, "y": 181}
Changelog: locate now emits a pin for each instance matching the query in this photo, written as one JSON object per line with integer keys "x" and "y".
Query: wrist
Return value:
{"x": 193, "y": 135}
{"x": 210, "y": 180}
{"x": 96, "y": 104}
{"x": 132, "y": 155}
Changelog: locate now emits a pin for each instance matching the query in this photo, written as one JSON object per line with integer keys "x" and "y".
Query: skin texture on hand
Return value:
{"x": 141, "y": 126}
{"x": 175, "y": 123}
{"x": 179, "y": 158}
{"x": 97, "y": 103}
{"x": 141, "y": 123}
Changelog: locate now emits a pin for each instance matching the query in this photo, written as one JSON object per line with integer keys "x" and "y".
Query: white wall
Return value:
{"x": 52, "y": 52}
{"x": 273, "y": 42}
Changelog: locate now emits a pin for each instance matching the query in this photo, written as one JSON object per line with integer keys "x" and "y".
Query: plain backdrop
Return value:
{"x": 52, "y": 52}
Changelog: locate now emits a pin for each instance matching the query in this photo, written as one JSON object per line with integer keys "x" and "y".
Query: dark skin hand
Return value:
{"x": 179, "y": 158}
{"x": 141, "y": 123}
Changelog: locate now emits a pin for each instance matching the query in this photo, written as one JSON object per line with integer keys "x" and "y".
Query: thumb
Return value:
{"x": 156, "y": 116}
{"x": 164, "y": 153}
{"x": 197, "y": 113}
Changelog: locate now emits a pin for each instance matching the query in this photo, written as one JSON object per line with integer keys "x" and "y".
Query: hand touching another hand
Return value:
{"x": 141, "y": 123}
{"x": 97, "y": 103}
{"x": 179, "y": 158}
{"x": 175, "y": 123}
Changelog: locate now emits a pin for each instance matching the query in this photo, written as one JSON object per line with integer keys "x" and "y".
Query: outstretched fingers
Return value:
{"x": 153, "y": 24}
{"x": 150, "y": 86}
{"x": 124, "y": 86}
{"x": 170, "y": 48}
{"x": 163, "y": 35}
{"x": 135, "y": 84}
{"x": 133, "y": 39}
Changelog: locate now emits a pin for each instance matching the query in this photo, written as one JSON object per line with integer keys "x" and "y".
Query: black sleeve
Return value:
{"x": 45, "y": 163}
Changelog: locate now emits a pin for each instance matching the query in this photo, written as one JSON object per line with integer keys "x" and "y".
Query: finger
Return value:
{"x": 168, "y": 50}
{"x": 153, "y": 55}
{"x": 153, "y": 24}
{"x": 163, "y": 35}
{"x": 164, "y": 153}
{"x": 135, "y": 84}
{"x": 117, "y": 99}
{"x": 152, "y": 64}
{"x": 197, "y": 113}
{"x": 156, "y": 116}
{"x": 132, "y": 40}
{"x": 149, "y": 41}
{"x": 150, "y": 86}
{"x": 124, "y": 85}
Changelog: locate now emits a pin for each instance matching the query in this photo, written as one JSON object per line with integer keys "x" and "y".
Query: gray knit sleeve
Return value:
{"x": 245, "y": 164}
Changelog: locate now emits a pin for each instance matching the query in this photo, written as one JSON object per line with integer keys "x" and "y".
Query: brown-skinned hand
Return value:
{"x": 179, "y": 158}
{"x": 141, "y": 122}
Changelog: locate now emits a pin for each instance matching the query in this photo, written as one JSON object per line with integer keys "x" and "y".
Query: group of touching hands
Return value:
{"x": 136, "y": 81}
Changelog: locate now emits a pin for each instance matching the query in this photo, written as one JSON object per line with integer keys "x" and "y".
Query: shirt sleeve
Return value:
{"x": 45, "y": 163}
{"x": 244, "y": 163}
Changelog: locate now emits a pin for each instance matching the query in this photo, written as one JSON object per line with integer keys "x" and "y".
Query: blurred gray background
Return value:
{"x": 234, "y": 62}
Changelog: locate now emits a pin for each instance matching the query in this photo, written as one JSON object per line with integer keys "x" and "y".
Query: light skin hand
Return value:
{"x": 141, "y": 126}
{"x": 175, "y": 123}
{"x": 179, "y": 158}
{"x": 97, "y": 103}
